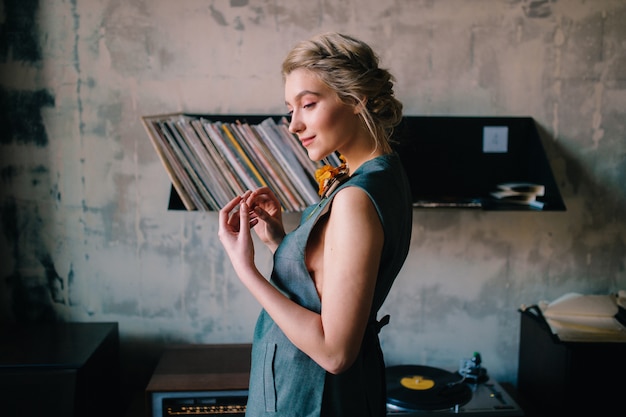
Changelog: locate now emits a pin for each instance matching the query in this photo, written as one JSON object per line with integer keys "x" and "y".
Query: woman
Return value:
{"x": 316, "y": 350}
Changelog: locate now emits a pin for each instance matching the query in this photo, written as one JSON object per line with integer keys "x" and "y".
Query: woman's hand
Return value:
{"x": 234, "y": 233}
{"x": 266, "y": 213}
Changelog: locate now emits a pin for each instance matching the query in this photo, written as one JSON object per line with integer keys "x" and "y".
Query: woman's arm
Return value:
{"x": 352, "y": 248}
{"x": 353, "y": 244}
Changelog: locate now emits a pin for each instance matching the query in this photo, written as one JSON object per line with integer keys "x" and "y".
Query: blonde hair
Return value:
{"x": 350, "y": 67}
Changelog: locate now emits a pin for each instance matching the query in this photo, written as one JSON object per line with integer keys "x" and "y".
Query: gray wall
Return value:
{"x": 86, "y": 234}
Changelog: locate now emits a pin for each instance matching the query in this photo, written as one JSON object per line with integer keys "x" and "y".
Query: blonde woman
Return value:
{"x": 316, "y": 350}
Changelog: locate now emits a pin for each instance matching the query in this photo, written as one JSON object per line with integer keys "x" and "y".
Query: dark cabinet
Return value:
{"x": 559, "y": 377}
{"x": 59, "y": 369}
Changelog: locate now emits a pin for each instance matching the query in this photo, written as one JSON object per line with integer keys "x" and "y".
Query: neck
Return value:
{"x": 353, "y": 162}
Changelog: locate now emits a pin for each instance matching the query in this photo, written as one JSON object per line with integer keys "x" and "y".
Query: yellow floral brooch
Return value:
{"x": 329, "y": 177}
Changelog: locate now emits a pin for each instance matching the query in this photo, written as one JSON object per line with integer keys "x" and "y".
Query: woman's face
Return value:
{"x": 320, "y": 120}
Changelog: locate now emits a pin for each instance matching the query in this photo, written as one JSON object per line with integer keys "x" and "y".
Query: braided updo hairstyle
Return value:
{"x": 350, "y": 67}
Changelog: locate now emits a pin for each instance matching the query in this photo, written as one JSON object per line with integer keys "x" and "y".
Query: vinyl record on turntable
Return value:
{"x": 420, "y": 388}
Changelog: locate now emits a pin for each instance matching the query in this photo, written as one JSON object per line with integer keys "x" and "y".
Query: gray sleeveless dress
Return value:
{"x": 285, "y": 382}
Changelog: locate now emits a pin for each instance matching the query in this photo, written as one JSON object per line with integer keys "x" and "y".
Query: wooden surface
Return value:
{"x": 202, "y": 368}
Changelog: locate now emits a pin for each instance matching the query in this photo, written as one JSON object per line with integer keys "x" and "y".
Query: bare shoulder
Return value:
{"x": 353, "y": 206}
{"x": 352, "y": 196}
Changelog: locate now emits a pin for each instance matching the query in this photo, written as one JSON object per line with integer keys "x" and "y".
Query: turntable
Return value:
{"x": 426, "y": 391}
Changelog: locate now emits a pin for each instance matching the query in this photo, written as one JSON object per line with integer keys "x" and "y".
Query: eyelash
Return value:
{"x": 290, "y": 113}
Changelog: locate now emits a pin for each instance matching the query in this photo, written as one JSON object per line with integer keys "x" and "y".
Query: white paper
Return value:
{"x": 585, "y": 318}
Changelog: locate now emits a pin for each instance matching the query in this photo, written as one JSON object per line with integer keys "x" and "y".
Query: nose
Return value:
{"x": 295, "y": 124}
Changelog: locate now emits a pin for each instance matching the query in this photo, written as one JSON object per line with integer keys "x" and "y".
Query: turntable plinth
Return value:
{"x": 432, "y": 392}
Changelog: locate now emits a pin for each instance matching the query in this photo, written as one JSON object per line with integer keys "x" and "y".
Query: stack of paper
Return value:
{"x": 586, "y": 318}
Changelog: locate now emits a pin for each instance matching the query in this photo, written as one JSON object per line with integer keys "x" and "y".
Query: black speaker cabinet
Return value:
{"x": 569, "y": 377}
{"x": 59, "y": 369}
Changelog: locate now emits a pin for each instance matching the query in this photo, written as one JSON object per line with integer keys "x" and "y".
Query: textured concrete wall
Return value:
{"x": 86, "y": 234}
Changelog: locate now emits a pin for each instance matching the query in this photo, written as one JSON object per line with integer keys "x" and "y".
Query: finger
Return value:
{"x": 263, "y": 202}
{"x": 244, "y": 218}
{"x": 246, "y": 195}
{"x": 264, "y": 215}
{"x": 261, "y": 214}
{"x": 233, "y": 220}
{"x": 252, "y": 213}
{"x": 261, "y": 190}
{"x": 225, "y": 211}
{"x": 262, "y": 194}
{"x": 229, "y": 216}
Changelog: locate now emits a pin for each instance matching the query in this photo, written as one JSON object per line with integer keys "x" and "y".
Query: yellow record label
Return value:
{"x": 417, "y": 382}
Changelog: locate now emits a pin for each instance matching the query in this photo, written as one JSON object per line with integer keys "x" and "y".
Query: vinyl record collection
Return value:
{"x": 210, "y": 162}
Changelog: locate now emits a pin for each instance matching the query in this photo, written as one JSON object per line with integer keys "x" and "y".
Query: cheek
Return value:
{"x": 326, "y": 116}
{"x": 337, "y": 118}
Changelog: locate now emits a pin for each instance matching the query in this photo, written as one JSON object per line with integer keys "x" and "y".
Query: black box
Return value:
{"x": 556, "y": 376}
{"x": 59, "y": 369}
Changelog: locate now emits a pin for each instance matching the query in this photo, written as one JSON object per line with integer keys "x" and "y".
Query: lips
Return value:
{"x": 307, "y": 141}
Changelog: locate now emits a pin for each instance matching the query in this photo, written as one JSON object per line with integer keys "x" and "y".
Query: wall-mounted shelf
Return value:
{"x": 458, "y": 161}
{"x": 455, "y": 161}
{"x": 210, "y": 159}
